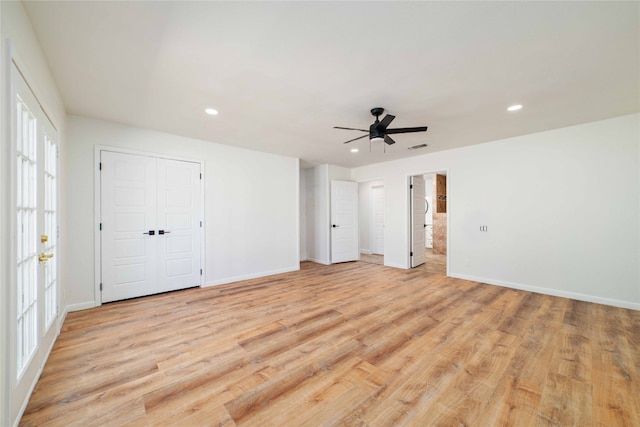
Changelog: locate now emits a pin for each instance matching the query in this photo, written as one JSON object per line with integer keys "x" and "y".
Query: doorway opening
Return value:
{"x": 428, "y": 222}
{"x": 372, "y": 217}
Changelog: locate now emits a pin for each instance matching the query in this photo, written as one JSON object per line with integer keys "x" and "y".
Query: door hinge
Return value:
{"x": 100, "y": 286}
{"x": 410, "y": 186}
{"x": 100, "y": 227}
{"x": 200, "y": 176}
{"x": 200, "y": 223}
{"x": 201, "y": 272}
{"x": 410, "y": 253}
{"x": 100, "y": 166}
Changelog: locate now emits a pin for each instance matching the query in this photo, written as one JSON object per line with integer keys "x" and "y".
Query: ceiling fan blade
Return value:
{"x": 355, "y": 139}
{"x": 407, "y": 130}
{"x": 386, "y": 121}
{"x": 388, "y": 140}
{"x": 339, "y": 127}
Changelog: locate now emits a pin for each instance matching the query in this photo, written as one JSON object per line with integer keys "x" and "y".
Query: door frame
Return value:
{"x": 97, "y": 262}
{"x": 408, "y": 215}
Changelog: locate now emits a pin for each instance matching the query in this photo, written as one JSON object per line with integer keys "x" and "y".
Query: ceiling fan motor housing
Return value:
{"x": 375, "y": 132}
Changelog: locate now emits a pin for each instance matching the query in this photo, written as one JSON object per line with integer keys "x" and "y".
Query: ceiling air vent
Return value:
{"x": 415, "y": 147}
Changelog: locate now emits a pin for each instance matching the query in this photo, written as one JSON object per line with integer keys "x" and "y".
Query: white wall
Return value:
{"x": 337, "y": 173}
{"x": 251, "y": 204}
{"x": 364, "y": 213}
{"x": 317, "y": 194}
{"x": 27, "y": 54}
{"x": 576, "y": 246}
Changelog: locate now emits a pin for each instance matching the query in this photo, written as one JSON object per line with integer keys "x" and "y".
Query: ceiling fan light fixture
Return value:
{"x": 376, "y": 139}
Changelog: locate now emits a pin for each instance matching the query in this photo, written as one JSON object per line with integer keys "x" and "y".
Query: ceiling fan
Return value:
{"x": 378, "y": 131}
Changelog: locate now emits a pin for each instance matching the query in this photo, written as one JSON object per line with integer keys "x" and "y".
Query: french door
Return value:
{"x": 150, "y": 225}
{"x": 34, "y": 290}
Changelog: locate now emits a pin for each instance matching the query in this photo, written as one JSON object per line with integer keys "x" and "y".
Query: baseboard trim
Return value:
{"x": 77, "y": 307}
{"x": 319, "y": 261}
{"x": 366, "y": 251}
{"x": 249, "y": 276}
{"x": 391, "y": 264}
{"x": 552, "y": 292}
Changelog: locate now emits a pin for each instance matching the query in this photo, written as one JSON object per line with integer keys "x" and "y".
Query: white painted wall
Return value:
{"x": 337, "y": 173}
{"x": 364, "y": 213}
{"x": 576, "y": 246}
{"x": 251, "y": 204}
{"x": 27, "y": 54}
{"x": 317, "y": 180}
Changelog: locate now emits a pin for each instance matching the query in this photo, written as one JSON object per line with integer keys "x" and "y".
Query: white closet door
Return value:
{"x": 344, "y": 221}
{"x": 417, "y": 221}
{"x": 128, "y": 218}
{"x": 150, "y": 218}
{"x": 178, "y": 224}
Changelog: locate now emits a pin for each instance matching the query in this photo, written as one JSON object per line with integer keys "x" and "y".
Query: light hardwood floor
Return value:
{"x": 348, "y": 344}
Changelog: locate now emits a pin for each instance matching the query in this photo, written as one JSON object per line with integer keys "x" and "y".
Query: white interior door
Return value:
{"x": 377, "y": 220}
{"x": 417, "y": 221}
{"x": 34, "y": 284}
{"x": 344, "y": 221}
{"x": 178, "y": 234}
{"x": 150, "y": 219}
{"x": 128, "y": 225}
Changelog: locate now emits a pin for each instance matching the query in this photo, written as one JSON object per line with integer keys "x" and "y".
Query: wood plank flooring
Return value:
{"x": 352, "y": 344}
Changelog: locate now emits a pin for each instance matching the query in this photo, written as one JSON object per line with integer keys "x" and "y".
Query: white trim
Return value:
{"x": 79, "y": 306}
{"x": 549, "y": 291}
{"x": 366, "y": 251}
{"x": 97, "y": 149}
{"x": 249, "y": 276}
{"x": 319, "y": 261}
{"x": 297, "y": 212}
{"x": 394, "y": 265}
{"x": 5, "y": 215}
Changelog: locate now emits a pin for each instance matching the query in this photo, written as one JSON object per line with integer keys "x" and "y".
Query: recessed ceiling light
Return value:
{"x": 354, "y": 150}
{"x": 515, "y": 107}
{"x": 211, "y": 111}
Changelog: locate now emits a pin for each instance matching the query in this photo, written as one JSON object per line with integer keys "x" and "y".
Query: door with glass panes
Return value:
{"x": 34, "y": 290}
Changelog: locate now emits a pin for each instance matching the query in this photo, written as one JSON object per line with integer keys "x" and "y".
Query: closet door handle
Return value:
{"x": 163, "y": 232}
{"x": 150, "y": 232}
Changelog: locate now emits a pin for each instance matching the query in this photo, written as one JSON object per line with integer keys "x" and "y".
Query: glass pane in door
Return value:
{"x": 27, "y": 258}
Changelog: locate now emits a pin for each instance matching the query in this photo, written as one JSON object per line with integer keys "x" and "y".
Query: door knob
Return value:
{"x": 163, "y": 232}
{"x": 335, "y": 226}
{"x": 150, "y": 232}
{"x": 43, "y": 258}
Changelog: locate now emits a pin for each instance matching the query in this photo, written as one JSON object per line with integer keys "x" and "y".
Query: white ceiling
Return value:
{"x": 283, "y": 74}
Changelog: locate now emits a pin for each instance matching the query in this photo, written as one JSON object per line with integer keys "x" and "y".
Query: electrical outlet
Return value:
{"x": 483, "y": 228}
